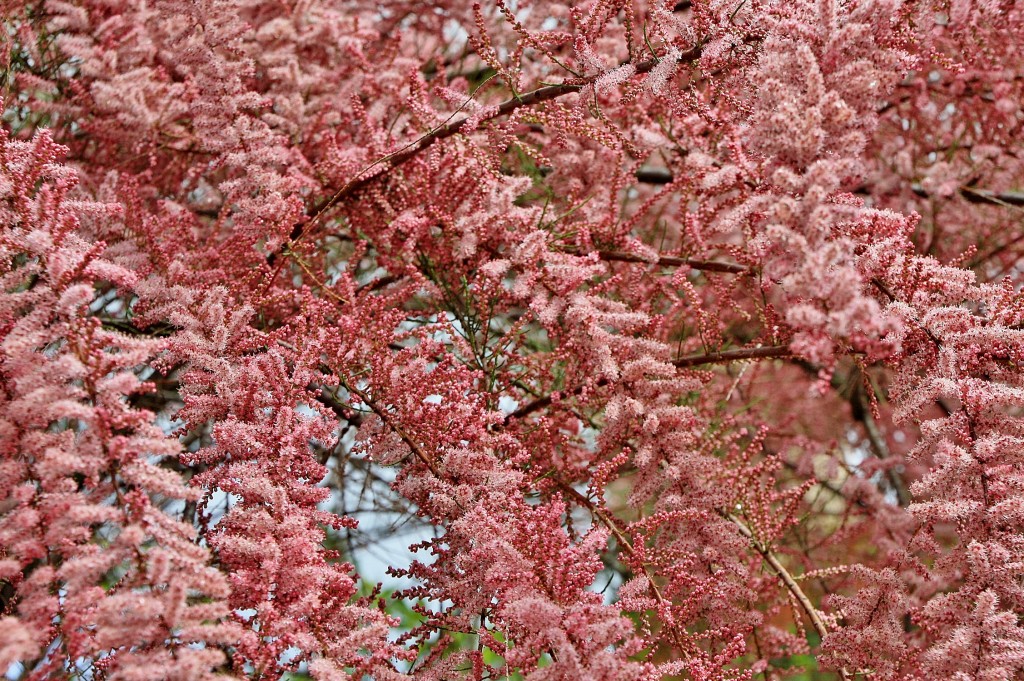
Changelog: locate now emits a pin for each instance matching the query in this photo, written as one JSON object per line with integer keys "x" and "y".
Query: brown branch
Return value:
{"x": 1010, "y": 198}
{"x": 725, "y": 356}
{"x": 620, "y": 536}
{"x": 657, "y": 175}
{"x": 542, "y": 402}
{"x": 862, "y": 412}
{"x": 672, "y": 261}
{"x": 529, "y": 408}
{"x": 385, "y": 417}
{"x": 392, "y": 161}
{"x": 598, "y": 513}
{"x": 654, "y": 175}
{"x": 772, "y": 351}
{"x": 787, "y": 579}
{"x": 379, "y": 283}
{"x": 972, "y": 195}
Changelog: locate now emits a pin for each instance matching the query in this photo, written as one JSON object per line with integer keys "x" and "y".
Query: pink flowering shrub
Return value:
{"x": 677, "y": 340}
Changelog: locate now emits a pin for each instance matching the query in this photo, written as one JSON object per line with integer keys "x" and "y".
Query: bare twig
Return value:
{"x": 787, "y": 579}
{"x": 654, "y": 175}
{"x": 672, "y": 261}
{"x": 772, "y": 351}
{"x": 658, "y": 175}
{"x": 391, "y": 161}
{"x": 972, "y": 195}
{"x": 390, "y": 423}
{"x": 725, "y": 356}
{"x": 623, "y": 541}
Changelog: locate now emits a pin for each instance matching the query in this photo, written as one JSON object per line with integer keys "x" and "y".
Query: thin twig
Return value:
{"x": 972, "y": 195}
{"x": 725, "y": 356}
{"x": 385, "y": 417}
{"x": 627, "y": 546}
{"x": 673, "y": 261}
{"x": 787, "y": 579}
{"x": 654, "y": 175}
{"x": 392, "y": 161}
{"x": 658, "y": 175}
{"x": 736, "y": 355}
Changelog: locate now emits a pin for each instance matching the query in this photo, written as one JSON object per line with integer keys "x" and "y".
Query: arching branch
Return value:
{"x": 391, "y": 161}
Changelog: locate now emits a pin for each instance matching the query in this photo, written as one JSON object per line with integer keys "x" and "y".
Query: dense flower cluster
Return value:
{"x": 686, "y": 336}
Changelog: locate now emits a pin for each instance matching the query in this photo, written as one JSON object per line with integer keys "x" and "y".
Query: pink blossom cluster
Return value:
{"x": 685, "y": 338}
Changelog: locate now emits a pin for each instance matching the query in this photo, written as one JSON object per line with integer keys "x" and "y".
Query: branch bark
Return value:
{"x": 658, "y": 176}
{"x": 385, "y": 417}
{"x": 673, "y": 261}
{"x": 787, "y": 579}
{"x": 725, "y": 356}
{"x": 391, "y": 161}
{"x": 972, "y": 195}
